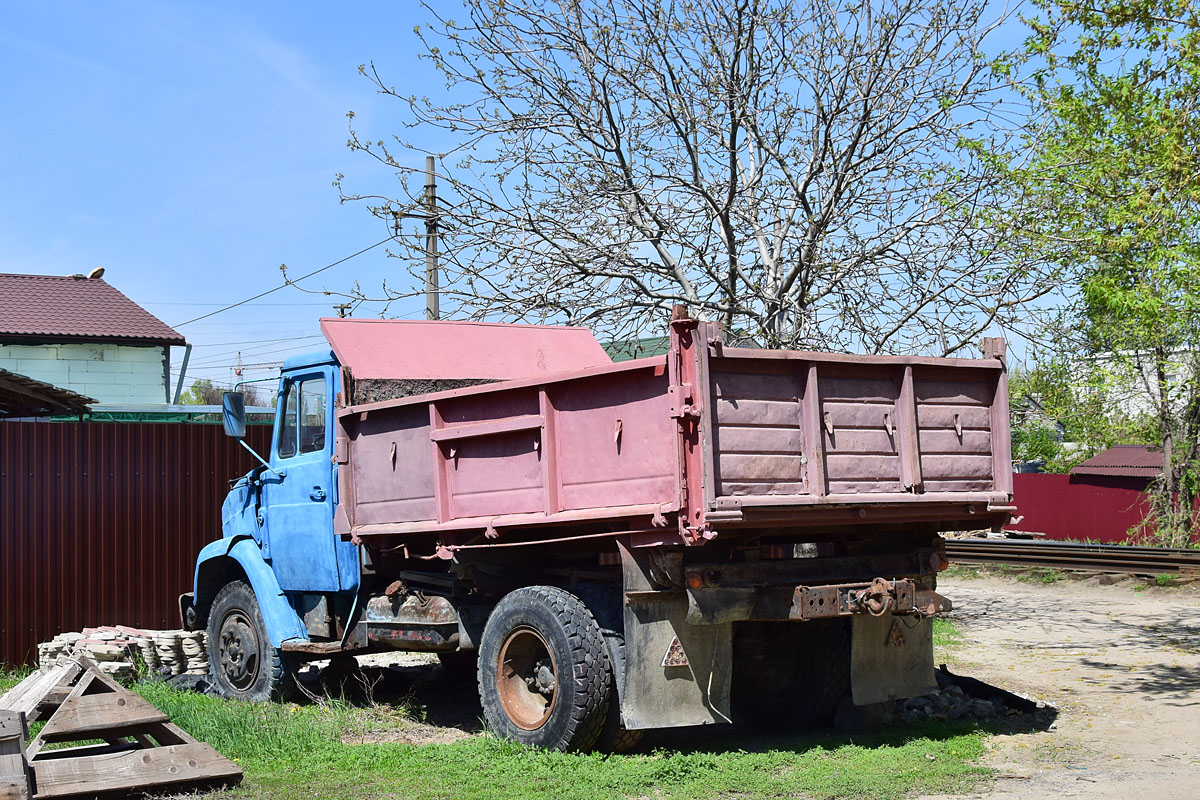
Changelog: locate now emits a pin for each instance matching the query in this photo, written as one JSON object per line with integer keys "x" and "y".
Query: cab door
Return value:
{"x": 299, "y": 506}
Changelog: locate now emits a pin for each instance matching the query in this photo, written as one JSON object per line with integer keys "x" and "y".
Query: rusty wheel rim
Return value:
{"x": 238, "y": 650}
{"x": 526, "y": 678}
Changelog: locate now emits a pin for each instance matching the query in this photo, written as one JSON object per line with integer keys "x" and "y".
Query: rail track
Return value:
{"x": 1115, "y": 558}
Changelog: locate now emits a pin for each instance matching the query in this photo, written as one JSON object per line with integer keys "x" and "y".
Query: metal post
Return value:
{"x": 187, "y": 354}
{"x": 432, "y": 310}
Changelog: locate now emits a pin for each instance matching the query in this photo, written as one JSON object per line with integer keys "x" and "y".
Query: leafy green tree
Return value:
{"x": 1076, "y": 395}
{"x": 1112, "y": 194}
{"x": 202, "y": 392}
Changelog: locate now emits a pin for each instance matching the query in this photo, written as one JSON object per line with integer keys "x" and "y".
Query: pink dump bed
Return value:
{"x": 592, "y": 445}
{"x": 807, "y": 427}
{"x": 424, "y": 350}
{"x": 701, "y": 439}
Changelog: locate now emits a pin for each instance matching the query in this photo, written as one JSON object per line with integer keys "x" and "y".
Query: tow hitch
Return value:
{"x": 876, "y": 598}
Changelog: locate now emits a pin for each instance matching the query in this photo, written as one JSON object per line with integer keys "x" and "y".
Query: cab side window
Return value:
{"x": 287, "y": 421}
{"x": 302, "y": 424}
{"x": 312, "y": 416}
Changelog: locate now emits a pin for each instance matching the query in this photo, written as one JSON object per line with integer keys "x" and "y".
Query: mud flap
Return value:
{"x": 675, "y": 673}
{"x": 891, "y": 658}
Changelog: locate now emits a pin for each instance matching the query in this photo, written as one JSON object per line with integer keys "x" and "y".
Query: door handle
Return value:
{"x": 317, "y": 494}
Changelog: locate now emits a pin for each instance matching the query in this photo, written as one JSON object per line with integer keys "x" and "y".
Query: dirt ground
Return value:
{"x": 1122, "y": 666}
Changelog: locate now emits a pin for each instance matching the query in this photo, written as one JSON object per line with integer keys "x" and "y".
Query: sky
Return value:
{"x": 190, "y": 148}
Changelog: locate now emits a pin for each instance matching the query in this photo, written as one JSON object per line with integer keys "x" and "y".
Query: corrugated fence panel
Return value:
{"x": 1078, "y": 507}
{"x": 100, "y": 523}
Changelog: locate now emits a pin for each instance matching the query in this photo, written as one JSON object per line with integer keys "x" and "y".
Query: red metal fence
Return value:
{"x": 100, "y": 523}
{"x": 1078, "y": 507}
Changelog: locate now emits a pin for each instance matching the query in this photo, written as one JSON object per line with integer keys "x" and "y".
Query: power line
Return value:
{"x": 264, "y": 305}
{"x": 223, "y": 357}
{"x": 284, "y": 285}
{"x": 250, "y": 348}
{"x": 260, "y": 341}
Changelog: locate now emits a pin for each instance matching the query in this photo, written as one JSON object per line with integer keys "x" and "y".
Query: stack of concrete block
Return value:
{"x": 117, "y": 649}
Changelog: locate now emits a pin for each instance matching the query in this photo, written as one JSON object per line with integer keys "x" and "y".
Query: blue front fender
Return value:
{"x": 281, "y": 619}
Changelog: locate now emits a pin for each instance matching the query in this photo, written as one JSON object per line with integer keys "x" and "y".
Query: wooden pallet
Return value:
{"x": 138, "y": 749}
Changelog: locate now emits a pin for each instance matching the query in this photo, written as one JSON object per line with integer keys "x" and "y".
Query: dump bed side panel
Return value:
{"x": 593, "y": 441}
{"x": 799, "y": 427}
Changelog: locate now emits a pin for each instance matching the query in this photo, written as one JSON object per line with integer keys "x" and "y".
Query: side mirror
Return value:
{"x": 233, "y": 413}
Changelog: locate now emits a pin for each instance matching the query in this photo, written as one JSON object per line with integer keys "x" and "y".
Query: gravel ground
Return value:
{"x": 1120, "y": 663}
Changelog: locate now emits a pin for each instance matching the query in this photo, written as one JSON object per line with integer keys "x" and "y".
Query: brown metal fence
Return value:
{"x": 100, "y": 523}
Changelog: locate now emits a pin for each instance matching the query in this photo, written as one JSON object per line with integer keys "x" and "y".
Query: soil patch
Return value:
{"x": 1121, "y": 663}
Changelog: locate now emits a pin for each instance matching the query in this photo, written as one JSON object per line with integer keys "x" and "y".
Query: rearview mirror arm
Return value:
{"x": 280, "y": 472}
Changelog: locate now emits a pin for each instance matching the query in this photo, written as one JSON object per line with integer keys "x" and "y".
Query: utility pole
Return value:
{"x": 432, "y": 290}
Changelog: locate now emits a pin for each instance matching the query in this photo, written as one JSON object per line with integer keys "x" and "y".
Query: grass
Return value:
{"x": 308, "y": 750}
{"x": 947, "y": 637}
{"x": 1023, "y": 574}
{"x": 1043, "y": 575}
{"x": 962, "y": 571}
{"x": 300, "y": 751}
{"x": 10, "y": 678}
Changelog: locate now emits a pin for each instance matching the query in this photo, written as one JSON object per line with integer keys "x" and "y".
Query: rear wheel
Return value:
{"x": 244, "y": 663}
{"x": 614, "y": 736}
{"x": 604, "y": 601}
{"x": 790, "y": 675}
{"x": 544, "y": 675}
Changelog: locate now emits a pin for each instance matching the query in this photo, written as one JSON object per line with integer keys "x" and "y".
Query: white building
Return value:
{"x": 1130, "y": 382}
{"x": 81, "y": 334}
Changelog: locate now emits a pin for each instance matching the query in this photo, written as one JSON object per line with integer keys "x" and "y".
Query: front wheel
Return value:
{"x": 244, "y": 663}
{"x": 544, "y": 674}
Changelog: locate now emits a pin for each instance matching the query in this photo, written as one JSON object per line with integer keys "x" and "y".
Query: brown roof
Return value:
{"x": 66, "y": 308}
{"x": 1126, "y": 460}
{"x": 22, "y": 396}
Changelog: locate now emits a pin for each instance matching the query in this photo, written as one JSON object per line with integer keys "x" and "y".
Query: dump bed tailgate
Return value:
{"x": 794, "y": 428}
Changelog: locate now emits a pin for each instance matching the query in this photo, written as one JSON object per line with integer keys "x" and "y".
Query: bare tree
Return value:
{"x": 819, "y": 174}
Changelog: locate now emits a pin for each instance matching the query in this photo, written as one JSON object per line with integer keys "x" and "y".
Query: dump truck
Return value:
{"x": 714, "y": 534}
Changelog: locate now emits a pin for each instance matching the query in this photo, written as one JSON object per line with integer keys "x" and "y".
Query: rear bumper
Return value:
{"x": 717, "y": 605}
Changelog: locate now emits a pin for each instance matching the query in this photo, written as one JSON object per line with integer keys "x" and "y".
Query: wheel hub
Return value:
{"x": 544, "y": 682}
{"x": 237, "y": 650}
{"x": 526, "y": 678}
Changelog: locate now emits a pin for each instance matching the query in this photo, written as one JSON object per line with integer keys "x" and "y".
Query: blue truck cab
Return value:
{"x": 267, "y": 591}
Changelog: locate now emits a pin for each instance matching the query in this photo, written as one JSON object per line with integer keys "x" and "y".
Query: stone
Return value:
{"x": 983, "y": 709}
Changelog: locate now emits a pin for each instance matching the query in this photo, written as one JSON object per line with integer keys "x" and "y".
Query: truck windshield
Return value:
{"x": 302, "y": 426}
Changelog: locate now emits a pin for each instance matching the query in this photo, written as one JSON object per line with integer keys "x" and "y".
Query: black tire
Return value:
{"x": 243, "y": 663}
{"x": 614, "y": 736}
{"x": 604, "y": 601}
{"x": 544, "y": 674}
{"x": 790, "y": 676}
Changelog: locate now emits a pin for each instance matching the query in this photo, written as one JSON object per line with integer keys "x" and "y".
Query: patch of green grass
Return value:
{"x": 947, "y": 639}
{"x": 291, "y": 751}
{"x": 947, "y": 633}
{"x": 10, "y": 678}
{"x": 1166, "y": 579}
{"x": 1023, "y": 574}
{"x": 1043, "y": 575}
{"x": 967, "y": 571}
{"x": 302, "y": 751}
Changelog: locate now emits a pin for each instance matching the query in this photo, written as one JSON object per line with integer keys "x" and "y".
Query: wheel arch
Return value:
{"x": 228, "y": 560}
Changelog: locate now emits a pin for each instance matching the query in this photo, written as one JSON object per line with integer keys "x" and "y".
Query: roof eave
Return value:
{"x": 47, "y": 338}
